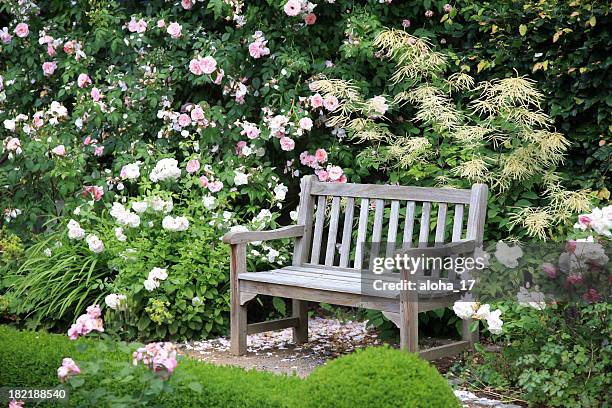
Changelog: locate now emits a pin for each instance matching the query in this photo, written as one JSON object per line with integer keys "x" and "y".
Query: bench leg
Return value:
{"x": 466, "y": 334}
{"x": 409, "y": 326}
{"x": 238, "y": 313}
{"x": 300, "y": 310}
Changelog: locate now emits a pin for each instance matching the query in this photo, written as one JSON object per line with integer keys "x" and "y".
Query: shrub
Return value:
{"x": 377, "y": 377}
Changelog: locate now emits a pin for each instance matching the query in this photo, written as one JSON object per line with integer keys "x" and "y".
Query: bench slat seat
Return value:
{"x": 337, "y": 246}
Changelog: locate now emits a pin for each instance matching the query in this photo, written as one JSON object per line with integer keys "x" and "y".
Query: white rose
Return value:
{"x": 9, "y": 124}
{"x": 494, "y": 322}
{"x": 151, "y": 285}
{"x": 130, "y": 171}
{"x": 280, "y": 192}
{"x": 165, "y": 169}
{"x": 210, "y": 202}
{"x": 240, "y": 178}
{"x": 115, "y": 301}
{"x": 158, "y": 274}
{"x": 119, "y": 234}
{"x": 139, "y": 206}
{"x": 95, "y": 244}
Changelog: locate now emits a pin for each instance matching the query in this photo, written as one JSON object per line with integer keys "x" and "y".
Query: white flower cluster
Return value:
{"x": 95, "y": 244}
{"x": 599, "y": 220}
{"x": 165, "y": 169}
{"x": 280, "y": 192}
{"x": 75, "y": 231}
{"x": 157, "y": 204}
{"x": 116, "y": 302}
{"x": 175, "y": 223}
{"x": 466, "y": 309}
{"x": 124, "y": 216}
{"x": 155, "y": 276}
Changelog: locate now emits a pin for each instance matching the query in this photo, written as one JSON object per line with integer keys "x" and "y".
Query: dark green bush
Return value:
{"x": 377, "y": 377}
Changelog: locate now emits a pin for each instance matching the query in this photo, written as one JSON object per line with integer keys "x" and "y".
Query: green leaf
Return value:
{"x": 279, "y": 305}
{"x": 194, "y": 386}
{"x": 522, "y": 30}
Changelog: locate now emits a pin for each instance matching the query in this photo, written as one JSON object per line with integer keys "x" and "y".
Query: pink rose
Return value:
{"x": 83, "y": 80}
{"x": 585, "y": 219}
{"x": 591, "y": 296}
{"x": 194, "y": 67}
{"x": 292, "y": 8}
{"x": 310, "y": 19}
{"x": 69, "y": 47}
{"x": 241, "y": 144}
{"x": 215, "y": 186}
{"x": 220, "y": 75}
{"x": 330, "y": 102}
{"x": 22, "y": 30}
{"x": 342, "y": 179}
{"x": 287, "y": 144}
{"x": 187, "y": 4}
{"x": 174, "y": 29}
{"x": 197, "y": 113}
{"x": 316, "y": 101}
{"x": 59, "y": 150}
{"x": 322, "y": 175}
{"x": 96, "y": 95}
{"x": 335, "y": 172}
{"x": 447, "y": 8}
{"x": 87, "y": 141}
{"x": 550, "y": 270}
{"x": 98, "y": 151}
{"x": 321, "y": 155}
{"x": 161, "y": 23}
{"x": 184, "y": 120}
{"x": 574, "y": 280}
{"x": 96, "y": 192}
{"x": 38, "y": 121}
{"x": 203, "y": 181}
{"x": 429, "y": 14}
{"x": 50, "y": 50}
{"x": 208, "y": 65}
{"x": 406, "y": 23}
{"x": 49, "y": 68}
{"x": 306, "y": 123}
{"x": 193, "y": 166}
{"x": 5, "y": 36}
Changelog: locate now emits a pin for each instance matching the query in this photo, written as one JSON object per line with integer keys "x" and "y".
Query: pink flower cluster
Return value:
{"x": 16, "y": 404}
{"x": 96, "y": 192}
{"x": 214, "y": 186}
{"x": 199, "y": 66}
{"x": 67, "y": 369}
{"x": 98, "y": 150}
{"x": 330, "y": 102}
{"x": 193, "y": 166}
{"x": 250, "y": 130}
{"x": 87, "y": 323}
{"x": 330, "y": 173}
{"x": 159, "y": 357}
{"x": 137, "y": 26}
{"x": 49, "y": 68}
{"x": 258, "y": 48}
{"x": 294, "y": 8}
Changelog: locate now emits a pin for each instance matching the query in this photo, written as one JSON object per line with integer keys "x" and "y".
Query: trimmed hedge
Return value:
{"x": 380, "y": 377}
{"x": 377, "y": 377}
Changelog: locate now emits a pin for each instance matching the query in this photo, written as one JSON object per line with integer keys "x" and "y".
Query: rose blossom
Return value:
{"x": 22, "y": 30}
{"x": 330, "y": 102}
{"x": 49, "y": 68}
{"x": 5, "y": 36}
{"x": 197, "y": 113}
{"x": 335, "y": 172}
{"x": 193, "y": 166}
{"x": 96, "y": 95}
{"x": 161, "y": 23}
{"x": 203, "y": 181}
{"x": 550, "y": 270}
{"x": 447, "y": 8}
{"x": 292, "y": 8}
{"x": 429, "y": 14}
{"x": 306, "y": 123}
{"x": 194, "y": 67}
{"x": 208, "y": 65}
{"x": 321, "y": 155}
{"x": 174, "y": 29}
{"x": 98, "y": 151}
{"x": 215, "y": 186}
{"x": 310, "y": 19}
{"x": 406, "y": 23}
{"x": 187, "y": 4}
{"x": 83, "y": 80}
{"x": 287, "y": 144}
{"x": 184, "y": 120}
{"x": 591, "y": 296}
{"x": 322, "y": 175}
{"x": 59, "y": 150}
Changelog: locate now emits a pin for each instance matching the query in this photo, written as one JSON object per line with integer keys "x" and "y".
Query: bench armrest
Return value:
{"x": 241, "y": 237}
{"x": 452, "y": 248}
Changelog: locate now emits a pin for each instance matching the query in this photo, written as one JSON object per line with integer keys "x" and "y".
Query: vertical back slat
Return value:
{"x": 409, "y": 224}
{"x": 379, "y": 215}
{"x": 457, "y": 223}
{"x": 424, "y": 231}
{"x": 318, "y": 231}
{"x": 392, "y": 231}
{"x": 478, "y": 213}
{"x": 441, "y": 223}
{"x": 361, "y": 232}
{"x": 305, "y": 213}
{"x": 347, "y": 232}
{"x": 330, "y": 252}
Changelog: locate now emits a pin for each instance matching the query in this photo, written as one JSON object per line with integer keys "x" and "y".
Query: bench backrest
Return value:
{"x": 382, "y": 214}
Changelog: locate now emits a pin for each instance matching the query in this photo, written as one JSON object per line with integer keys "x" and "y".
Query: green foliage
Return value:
{"x": 11, "y": 249}
{"x": 377, "y": 377}
{"x": 558, "y": 357}
{"x": 55, "y": 282}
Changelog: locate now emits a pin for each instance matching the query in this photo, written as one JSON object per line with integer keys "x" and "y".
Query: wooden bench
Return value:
{"x": 328, "y": 269}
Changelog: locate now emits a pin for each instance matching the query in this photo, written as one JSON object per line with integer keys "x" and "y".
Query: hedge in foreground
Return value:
{"x": 380, "y": 377}
{"x": 377, "y": 377}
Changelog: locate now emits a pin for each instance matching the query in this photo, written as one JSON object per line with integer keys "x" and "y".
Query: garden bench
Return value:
{"x": 331, "y": 272}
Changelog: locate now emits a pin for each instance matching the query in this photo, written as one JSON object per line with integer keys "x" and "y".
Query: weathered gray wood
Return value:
{"x": 246, "y": 297}
{"x": 457, "y": 223}
{"x": 424, "y": 224}
{"x": 409, "y": 224}
{"x": 441, "y": 223}
{"x": 392, "y": 230}
{"x": 238, "y": 312}
{"x": 300, "y": 312}
{"x": 409, "y": 317}
{"x": 389, "y": 192}
{"x": 362, "y": 230}
{"x": 379, "y": 215}
{"x": 347, "y": 232}
{"x": 241, "y": 237}
{"x": 271, "y": 325}
{"x": 445, "y": 350}
{"x": 318, "y": 230}
{"x": 478, "y": 213}
{"x": 330, "y": 252}
{"x": 452, "y": 248}
{"x": 305, "y": 213}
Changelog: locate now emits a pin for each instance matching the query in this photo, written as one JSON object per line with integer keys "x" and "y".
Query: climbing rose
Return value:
{"x": 174, "y": 29}
{"x": 316, "y": 101}
{"x": 193, "y": 166}
{"x": 67, "y": 369}
{"x": 49, "y": 68}
{"x": 310, "y": 19}
{"x": 330, "y": 102}
{"x": 22, "y": 30}
{"x": 306, "y": 123}
{"x": 187, "y": 4}
{"x": 83, "y": 80}
{"x": 292, "y": 8}
{"x": 59, "y": 150}
{"x": 287, "y": 144}
{"x": 96, "y": 95}
{"x": 208, "y": 65}
{"x": 321, "y": 155}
